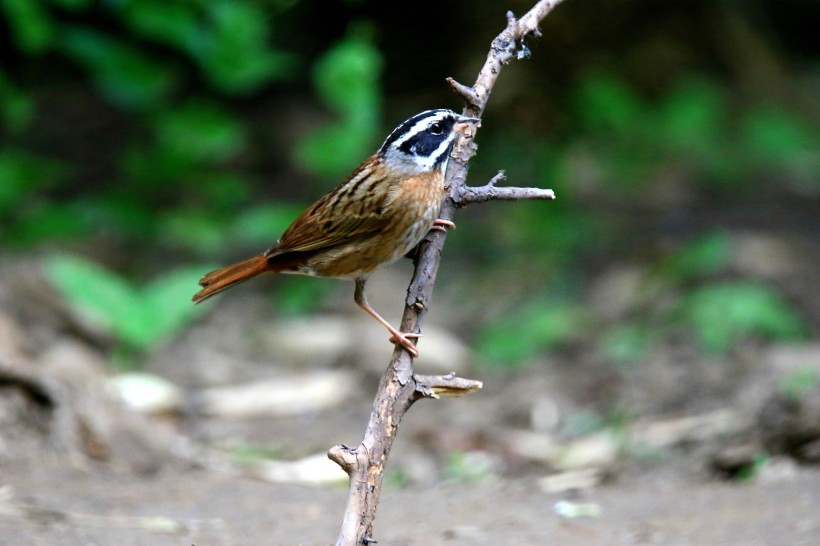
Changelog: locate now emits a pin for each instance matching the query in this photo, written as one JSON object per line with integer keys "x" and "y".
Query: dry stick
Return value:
{"x": 400, "y": 387}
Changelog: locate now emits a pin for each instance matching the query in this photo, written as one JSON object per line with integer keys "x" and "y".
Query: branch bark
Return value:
{"x": 400, "y": 386}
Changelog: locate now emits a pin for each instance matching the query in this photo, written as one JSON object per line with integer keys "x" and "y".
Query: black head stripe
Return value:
{"x": 407, "y": 125}
{"x": 425, "y": 143}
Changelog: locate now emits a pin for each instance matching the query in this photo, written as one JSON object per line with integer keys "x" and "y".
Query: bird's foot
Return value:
{"x": 403, "y": 339}
{"x": 443, "y": 225}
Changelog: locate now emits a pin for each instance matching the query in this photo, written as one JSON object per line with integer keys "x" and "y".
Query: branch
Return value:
{"x": 400, "y": 387}
{"x": 465, "y": 195}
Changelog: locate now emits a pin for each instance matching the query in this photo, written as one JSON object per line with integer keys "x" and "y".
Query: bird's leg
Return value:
{"x": 442, "y": 225}
{"x": 398, "y": 337}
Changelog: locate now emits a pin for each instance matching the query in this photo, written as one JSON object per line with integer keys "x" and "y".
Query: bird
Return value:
{"x": 378, "y": 214}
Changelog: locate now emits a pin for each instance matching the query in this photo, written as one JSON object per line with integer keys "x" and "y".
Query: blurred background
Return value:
{"x": 145, "y": 142}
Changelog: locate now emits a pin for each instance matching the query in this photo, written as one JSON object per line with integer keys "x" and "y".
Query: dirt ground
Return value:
{"x": 659, "y": 507}
{"x": 112, "y": 486}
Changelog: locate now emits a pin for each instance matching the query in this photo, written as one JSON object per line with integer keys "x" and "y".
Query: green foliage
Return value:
{"x": 722, "y": 313}
{"x": 627, "y": 344}
{"x": 346, "y": 78}
{"x": 798, "y": 383}
{"x": 299, "y": 295}
{"x": 143, "y": 57}
{"x": 16, "y": 108}
{"x": 706, "y": 254}
{"x": 468, "y": 468}
{"x": 31, "y": 26}
{"x": 751, "y": 471}
{"x": 138, "y": 317}
{"x": 690, "y": 130}
{"x": 125, "y": 75}
{"x": 536, "y": 327}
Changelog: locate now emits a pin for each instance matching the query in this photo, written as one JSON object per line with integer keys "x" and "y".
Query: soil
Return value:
{"x": 662, "y": 506}
{"x": 113, "y": 487}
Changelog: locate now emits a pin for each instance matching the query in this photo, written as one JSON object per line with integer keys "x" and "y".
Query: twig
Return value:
{"x": 400, "y": 387}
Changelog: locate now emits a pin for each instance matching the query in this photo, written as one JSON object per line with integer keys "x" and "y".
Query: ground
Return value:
{"x": 463, "y": 471}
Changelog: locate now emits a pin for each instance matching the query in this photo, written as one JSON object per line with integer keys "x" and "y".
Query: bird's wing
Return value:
{"x": 334, "y": 220}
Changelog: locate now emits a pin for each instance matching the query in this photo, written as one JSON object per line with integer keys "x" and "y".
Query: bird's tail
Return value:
{"x": 222, "y": 279}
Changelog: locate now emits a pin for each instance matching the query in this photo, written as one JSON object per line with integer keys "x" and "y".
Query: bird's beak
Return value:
{"x": 463, "y": 122}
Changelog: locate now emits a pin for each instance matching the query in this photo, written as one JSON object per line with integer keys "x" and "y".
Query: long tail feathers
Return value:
{"x": 222, "y": 279}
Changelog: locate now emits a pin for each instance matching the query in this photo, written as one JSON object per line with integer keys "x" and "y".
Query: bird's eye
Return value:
{"x": 437, "y": 128}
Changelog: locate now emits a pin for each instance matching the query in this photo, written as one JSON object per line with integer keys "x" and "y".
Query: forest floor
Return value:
{"x": 471, "y": 470}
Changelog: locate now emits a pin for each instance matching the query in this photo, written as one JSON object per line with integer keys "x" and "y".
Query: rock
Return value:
{"x": 789, "y": 424}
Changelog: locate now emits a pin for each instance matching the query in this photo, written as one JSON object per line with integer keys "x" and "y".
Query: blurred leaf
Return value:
{"x": 235, "y": 53}
{"x": 626, "y": 345}
{"x": 172, "y": 23}
{"x": 775, "y": 136}
{"x": 798, "y": 383}
{"x": 347, "y": 80}
{"x": 299, "y": 295}
{"x": 263, "y": 224}
{"x": 468, "y": 467}
{"x": 137, "y": 317}
{"x": 22, "y": 173}
{"x": 201, "y": 131}
{"x": 124, "y": 74}
{"x": 693, "y": 118}
{"x": 30, "y": 23}
{"x": 605, "y": 102}
{"x": 73, "y": 5}
{"x": 722, "y": 314}
{"x": 16, "y": 108}
{"x": 706, "y": 254}
{"x": 193, "y": 229}
{"x": 539, "y": 326}
{"x": 166, "y": 302}
{"x": 346, "y": 77}
{"x": 103, "y": 297}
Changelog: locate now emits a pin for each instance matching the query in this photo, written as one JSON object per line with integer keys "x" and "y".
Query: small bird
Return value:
{"x": 373, "y": 218}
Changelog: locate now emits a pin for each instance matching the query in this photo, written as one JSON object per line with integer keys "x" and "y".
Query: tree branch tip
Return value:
{"x": 501, "y": 175}
{"x": 436, "y": 386}
{"x": 467, "y": 93}
{"x": 344, "y": 456}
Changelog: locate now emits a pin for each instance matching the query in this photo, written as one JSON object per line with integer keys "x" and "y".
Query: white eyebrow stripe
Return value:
{"x": 421, "y": 125}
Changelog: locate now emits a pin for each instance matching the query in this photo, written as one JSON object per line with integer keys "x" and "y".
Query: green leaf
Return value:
{"x": 797, "y": 384}
{"x": 347, "y": 76}
{"x": 347, "y": 80}
{"x": 167, "y": 306}
{"x": 705, "y": 255}
{"x": 263, "y": 224}
{"x": 137, "y": 317}
{"x": 627, "y": 345}
{"x": 234, "y": 52}
{"x": 201, "y": 131}
{"x": 539, "y": 326}
{"x": 124, "y": 74}
{"x": 193, "y": 229}
{"x": 173, "y": 23}
{"x": 606, "y": 103}
{"x": 724, "y": 313}
{"x": 100, "y": 295}
{"x": 776, "y": 137}
{"x": 30, "y": 23}
{"x": 693, "y": 117}
{"x": 16, "y": 108}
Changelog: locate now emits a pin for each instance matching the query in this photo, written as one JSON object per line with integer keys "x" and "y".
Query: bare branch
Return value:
{"x": 480, "y": 194}
{"x": 400, "y": 387}
{"x": 435, "y": 386}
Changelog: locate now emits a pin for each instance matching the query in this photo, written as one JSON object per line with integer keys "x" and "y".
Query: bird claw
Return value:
{"x": 443, "y": 225}
{"x": 403, "y": 340}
